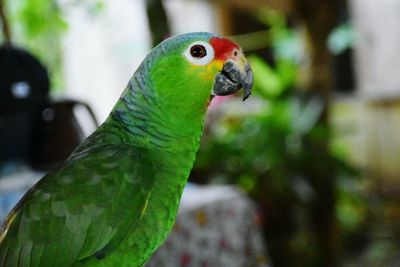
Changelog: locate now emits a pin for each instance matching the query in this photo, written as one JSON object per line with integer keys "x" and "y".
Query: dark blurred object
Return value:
{"x": 24, "y": 80}
{"x": 32, "y": 128}
{"x": 342, "y": 62}
{"x": 57, "y": 133}
{"x": 319, "y": 18}
{"x": 343, "y": 68}
{"x": 158, "y": 21}
{"x": 24, "y": 88}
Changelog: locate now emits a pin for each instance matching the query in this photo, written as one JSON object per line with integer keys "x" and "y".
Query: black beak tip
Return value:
{"x": 247, "y": 82}
{"x": 246, "y": 95}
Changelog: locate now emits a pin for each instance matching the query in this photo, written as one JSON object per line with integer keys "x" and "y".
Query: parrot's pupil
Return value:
{"x": 198, "y": 51}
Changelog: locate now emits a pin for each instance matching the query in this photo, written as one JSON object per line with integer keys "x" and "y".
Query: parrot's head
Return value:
{"x": 179, "y": 77}
{"x": 217, "y": 59}
{"x": 196, "y": 66}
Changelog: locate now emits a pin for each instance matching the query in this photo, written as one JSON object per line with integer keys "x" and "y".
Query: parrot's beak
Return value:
{"x": 232, "y": 77}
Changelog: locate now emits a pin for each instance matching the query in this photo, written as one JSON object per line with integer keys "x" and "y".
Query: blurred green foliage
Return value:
{"x": 266, "y": 151}
{"x": 39, "y": 25}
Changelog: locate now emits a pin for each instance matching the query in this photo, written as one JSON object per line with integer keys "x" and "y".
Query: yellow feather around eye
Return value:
{"x": 208, "y": 72}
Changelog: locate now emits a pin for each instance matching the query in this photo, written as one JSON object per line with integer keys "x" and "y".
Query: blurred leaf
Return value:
{"x": 341, "y": 38}
{"x": 266, "y": 80}
{"x": 304, "y": 116}
{"x": 247, "y": 183}
{"x": 287, "y": 71}
{"x": 41, "y": 17}
{"x": 285, "y": 41}
{"x": 350, "y": 210}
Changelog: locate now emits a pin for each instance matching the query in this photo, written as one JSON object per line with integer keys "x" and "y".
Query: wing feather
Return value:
{"x": 87, "y": 204}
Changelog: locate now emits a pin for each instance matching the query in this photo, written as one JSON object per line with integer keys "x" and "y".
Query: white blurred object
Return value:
{"x": 377, "y": 27}
{"x": 101, "y": 52}
{"x": 217, "y": 225}
{"x": 191, "y": 16}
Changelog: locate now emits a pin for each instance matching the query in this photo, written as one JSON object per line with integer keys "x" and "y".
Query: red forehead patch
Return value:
{"x": 222, "y": 47}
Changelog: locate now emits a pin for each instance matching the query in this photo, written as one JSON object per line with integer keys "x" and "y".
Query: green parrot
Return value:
{"x": 114, "y": 200}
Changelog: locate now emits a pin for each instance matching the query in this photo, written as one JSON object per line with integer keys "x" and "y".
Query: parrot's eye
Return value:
{"x": 199, "y": 53}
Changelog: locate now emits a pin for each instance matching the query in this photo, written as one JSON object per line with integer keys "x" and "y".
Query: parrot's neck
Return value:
{"x": 151, "y": 123}
{"x": 141, "y": 120}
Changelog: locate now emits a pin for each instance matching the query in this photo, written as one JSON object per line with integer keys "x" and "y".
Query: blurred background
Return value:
{"x": 316, "y": 147}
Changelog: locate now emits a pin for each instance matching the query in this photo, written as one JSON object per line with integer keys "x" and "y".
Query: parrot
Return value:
{"x": 114, "y": 200}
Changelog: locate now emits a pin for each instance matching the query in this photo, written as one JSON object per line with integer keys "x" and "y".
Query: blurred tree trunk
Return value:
{"x": 4, "y": 22}
{"x": 158, "y": 21}
{"x": 319, "y": 18}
